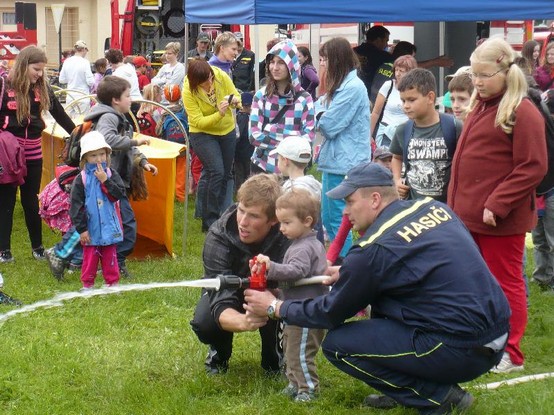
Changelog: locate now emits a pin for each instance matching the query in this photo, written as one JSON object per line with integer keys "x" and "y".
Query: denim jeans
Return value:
{"x": 543, "y": 239}
{"x": 216, "y": 154}
{"x": 331, "y": 209}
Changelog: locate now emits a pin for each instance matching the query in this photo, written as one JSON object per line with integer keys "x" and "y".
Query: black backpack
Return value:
{"x": 71, "y": 153}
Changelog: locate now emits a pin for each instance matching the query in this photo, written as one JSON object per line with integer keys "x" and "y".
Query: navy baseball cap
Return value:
{"x": 363, "y": 175}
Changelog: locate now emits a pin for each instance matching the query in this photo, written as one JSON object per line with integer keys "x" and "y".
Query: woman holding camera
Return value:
{"x": 209, "y": 97}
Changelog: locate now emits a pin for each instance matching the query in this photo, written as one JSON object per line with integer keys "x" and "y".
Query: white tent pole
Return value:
{"x": 187, "y": 155}
{"x": 257, "y": 49}
{"x": 442, "y": 48}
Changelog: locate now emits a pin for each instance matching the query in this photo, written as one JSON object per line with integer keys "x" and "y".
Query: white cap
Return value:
{"x": 461, "y": 70}
{"x": 80, "y": 44}
{"x": 93, "y": 141}
{"x": 294, "y": 148}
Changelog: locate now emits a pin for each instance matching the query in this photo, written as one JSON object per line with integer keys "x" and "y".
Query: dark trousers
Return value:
{"x": 125, "y": 247}
{"x": 407, "y": 364}
{"x": 29, "y": 201}
{"x": 221, "y": 341}
{"x": 216, "y": 154}
{"x": 242, "y": 172}
{"x": 255, "y": 169}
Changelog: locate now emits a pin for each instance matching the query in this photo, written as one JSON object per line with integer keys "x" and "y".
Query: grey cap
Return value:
{"x": 203, "y": 37}
{"x": 363, "y": 175}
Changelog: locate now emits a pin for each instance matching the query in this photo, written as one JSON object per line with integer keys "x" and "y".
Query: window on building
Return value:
{"x": 69, "y": 30}
{"x": 8, "y": 18}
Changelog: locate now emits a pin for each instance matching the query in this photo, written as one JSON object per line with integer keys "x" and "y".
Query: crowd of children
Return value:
{"x": 426, "y": 150}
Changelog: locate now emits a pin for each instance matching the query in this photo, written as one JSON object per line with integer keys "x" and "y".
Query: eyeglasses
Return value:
{"x": 484, "y": 76}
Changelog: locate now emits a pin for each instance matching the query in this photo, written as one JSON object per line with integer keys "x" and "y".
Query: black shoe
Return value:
{"x": 6, "y": 299}
{"x": 38, "y": 253}
{"x": 56, "y": 264}
{"x": 380, "y": 402}
{"x": 456, "y": 401}
{"x": 214, "y": 365}
{"x": 124, "y": 272}
{"x": 6, "y": 256}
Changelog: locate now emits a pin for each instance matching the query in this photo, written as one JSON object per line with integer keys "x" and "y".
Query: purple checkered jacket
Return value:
{"x": 298, "y": 120}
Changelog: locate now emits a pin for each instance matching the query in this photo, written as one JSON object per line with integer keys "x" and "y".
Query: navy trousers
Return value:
{"x": 125, "y": 247}
{"x": 407, "y": 364}
{"x": 208, "y": 332}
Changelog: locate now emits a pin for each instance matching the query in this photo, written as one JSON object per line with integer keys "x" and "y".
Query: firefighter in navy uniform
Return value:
{"x": 438, "y": 315}
{"x": 243, "y": 67}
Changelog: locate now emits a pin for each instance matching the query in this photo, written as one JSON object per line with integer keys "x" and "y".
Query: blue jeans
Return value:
{"x": 216, "y": 154}
{"x": 331, "y": 209}
{"x": 543, "y": 239}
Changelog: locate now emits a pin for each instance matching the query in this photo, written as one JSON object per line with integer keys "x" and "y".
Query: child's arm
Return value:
{"x": 258, "y": 136}
{"x": 396, "y": 166}
{"x": 144, "y": 162}
{"x": 108, "y": 126}
{"x": 378, "y": 108}
{"x": 112, "y": 186}
{"x": 397, "y": 150}
{"x": 298, "y": 266}
{"x": 338, "y": 242}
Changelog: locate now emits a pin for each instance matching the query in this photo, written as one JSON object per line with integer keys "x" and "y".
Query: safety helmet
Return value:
{"x": 172, "y": 92}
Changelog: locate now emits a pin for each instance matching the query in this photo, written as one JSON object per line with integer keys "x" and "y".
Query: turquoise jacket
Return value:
{"x": 344, "y": 124}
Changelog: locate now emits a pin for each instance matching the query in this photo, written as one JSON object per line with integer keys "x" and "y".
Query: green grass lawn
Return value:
{"x": 134, "y": 353}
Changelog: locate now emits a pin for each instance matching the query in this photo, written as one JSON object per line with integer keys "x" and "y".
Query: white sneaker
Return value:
{"x": 506, "y": 366}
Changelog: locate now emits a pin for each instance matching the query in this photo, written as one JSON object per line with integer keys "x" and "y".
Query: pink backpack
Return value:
{"x": 12, "y": 157}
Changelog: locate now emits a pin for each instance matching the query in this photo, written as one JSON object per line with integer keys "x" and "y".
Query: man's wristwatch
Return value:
{"x": 272, "y": 309}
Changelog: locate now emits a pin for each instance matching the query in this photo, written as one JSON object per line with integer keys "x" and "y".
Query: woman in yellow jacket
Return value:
{"x": 209, "y": 97}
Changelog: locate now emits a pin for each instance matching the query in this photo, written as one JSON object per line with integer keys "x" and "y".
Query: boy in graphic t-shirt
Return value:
{"x": 428, "y": 158}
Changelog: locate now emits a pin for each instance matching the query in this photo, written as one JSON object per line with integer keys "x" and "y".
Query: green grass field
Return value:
{"x": 134, "y": 353}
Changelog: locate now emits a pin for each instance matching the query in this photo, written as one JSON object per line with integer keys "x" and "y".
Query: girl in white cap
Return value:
{"x": 94, "y": 210}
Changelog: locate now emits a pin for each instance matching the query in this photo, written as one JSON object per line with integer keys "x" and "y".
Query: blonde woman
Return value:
{"x": 173, "y": 72}
{"x": 499, "y": 160}
{"x": 226, "y": 49}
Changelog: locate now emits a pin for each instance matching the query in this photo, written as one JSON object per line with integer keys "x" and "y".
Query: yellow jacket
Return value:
{"x": 204, "y": 117}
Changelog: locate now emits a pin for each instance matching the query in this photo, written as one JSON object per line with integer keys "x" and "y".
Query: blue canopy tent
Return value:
{"x": 336, "y": 11}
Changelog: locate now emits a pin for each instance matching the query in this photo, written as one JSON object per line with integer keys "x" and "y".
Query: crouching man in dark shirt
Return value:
{"x": 246, "y": 229}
